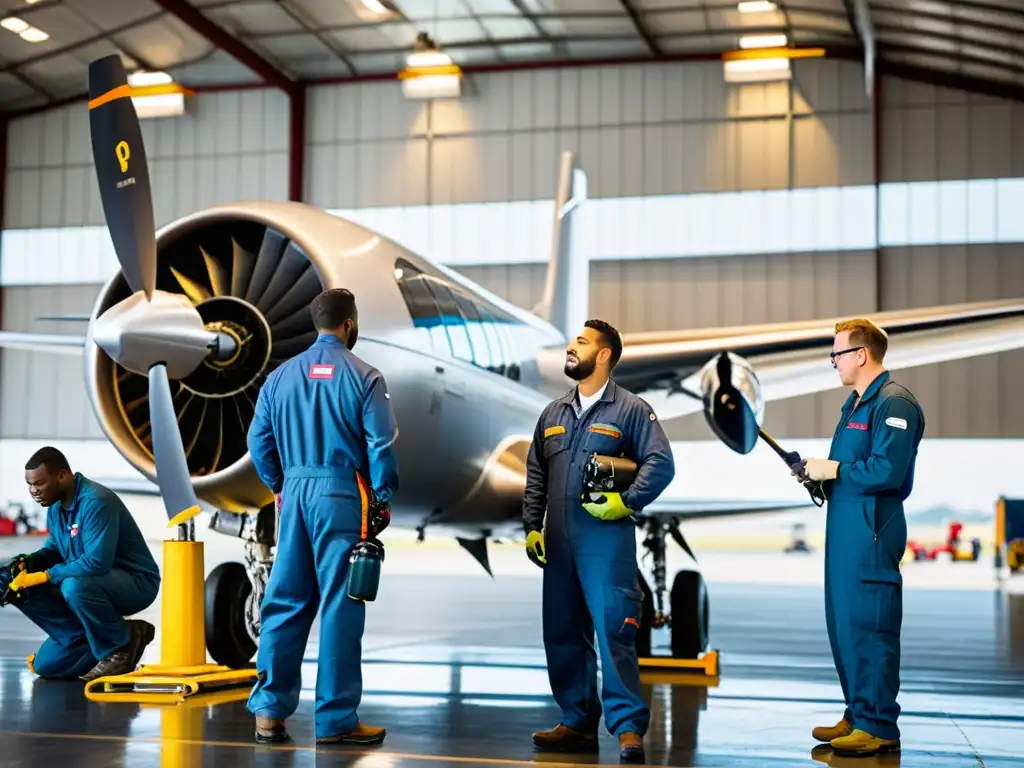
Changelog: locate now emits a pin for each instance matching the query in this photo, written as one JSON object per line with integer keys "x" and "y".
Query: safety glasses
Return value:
{"x": 833, "y": 355}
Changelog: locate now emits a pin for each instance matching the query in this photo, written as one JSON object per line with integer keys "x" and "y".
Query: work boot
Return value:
{"x": 565, "y": 739}
{"x": 827, "y": 733}
{"x": 124, "y": 659}
{"x": 270, "y": 731}
{"x": 631, "y": 747}
{"x": 142, "y": 635}
{"x": 861, "y": 743}
{"x": 361, "y": 734}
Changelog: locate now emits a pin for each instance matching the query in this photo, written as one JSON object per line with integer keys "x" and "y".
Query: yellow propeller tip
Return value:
{"x": 184, "y": 516}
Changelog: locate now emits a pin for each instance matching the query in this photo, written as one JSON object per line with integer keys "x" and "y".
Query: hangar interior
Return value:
{"x": 881, "y": 169}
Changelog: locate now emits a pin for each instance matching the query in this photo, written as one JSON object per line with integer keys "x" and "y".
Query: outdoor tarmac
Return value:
{"x": 454, "y": 668}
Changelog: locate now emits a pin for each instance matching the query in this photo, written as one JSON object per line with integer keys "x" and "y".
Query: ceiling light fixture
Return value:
{"x": 756, "y": 6}
{"x": 763, "y": 41}
{"x": 429, "y": 73}
{"x": 33, "y": 35}
{"x": 14, "y": 24}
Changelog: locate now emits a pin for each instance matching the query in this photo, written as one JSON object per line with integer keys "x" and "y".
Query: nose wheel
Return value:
{"x": 688, "y": 611}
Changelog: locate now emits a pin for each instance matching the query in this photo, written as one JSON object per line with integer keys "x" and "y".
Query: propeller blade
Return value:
{"x": 122, "y": 172}
{"x": 172, "y": 474}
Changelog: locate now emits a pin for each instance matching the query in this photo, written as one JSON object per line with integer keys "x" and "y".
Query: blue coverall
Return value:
{"x": 876, "y": 445}
{"x": 321, "y": 417}
{"x": 101, "y": 570}
{"x": 590, "y": 579}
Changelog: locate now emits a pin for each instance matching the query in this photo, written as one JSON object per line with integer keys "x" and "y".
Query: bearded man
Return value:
{"x": 588, "y": 550}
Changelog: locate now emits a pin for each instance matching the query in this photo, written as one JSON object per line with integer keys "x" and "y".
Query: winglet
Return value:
{"x": 567, "y": 292}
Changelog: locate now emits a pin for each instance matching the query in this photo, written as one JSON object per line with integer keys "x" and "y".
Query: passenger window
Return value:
{"x": 453, "y": 321}
{"x": 498, "y": 354}
{"x": 422, "y": 306}
{"x": 482, "y": 355}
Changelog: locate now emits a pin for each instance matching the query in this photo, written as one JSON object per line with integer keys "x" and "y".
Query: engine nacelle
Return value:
{"x": 251, "y": 270}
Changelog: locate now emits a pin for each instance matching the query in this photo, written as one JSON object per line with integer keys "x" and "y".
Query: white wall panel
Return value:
{"x": 233, "y": 145}
{"x": 43, "y": 395}
{"x": 639, "y": 130}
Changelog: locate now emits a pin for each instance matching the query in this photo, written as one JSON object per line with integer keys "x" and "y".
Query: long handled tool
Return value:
{"x": 792, "y": 458}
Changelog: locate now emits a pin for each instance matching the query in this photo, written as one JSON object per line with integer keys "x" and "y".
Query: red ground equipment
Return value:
{"x": 954, "y": 546}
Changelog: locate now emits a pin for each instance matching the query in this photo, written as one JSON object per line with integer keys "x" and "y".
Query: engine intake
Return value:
{"x": 247, "y": 280}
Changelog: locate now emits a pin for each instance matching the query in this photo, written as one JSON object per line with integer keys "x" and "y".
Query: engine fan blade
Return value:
{"x": 172, "y": 474}
{"x": 289, "y": 270}
{"x": 218, "y": 279}
{"x": 299, "y": 296}
{"x": 242, "y": 263}
{"x": 122, "y": 172}
{"x": 271, "y": 251}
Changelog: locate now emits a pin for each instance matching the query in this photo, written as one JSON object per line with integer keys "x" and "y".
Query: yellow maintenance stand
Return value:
{"x": 1009, "y": 543}
{"x": 183, "y": 671}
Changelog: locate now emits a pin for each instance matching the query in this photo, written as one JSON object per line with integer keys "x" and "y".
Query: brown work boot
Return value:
{"x": 361, "y": 734}
{"x": 565, "y": 739}
{"x": 827, "y": 733}
{"x": 270, "y": 730}
{"x": 631, "y": 747}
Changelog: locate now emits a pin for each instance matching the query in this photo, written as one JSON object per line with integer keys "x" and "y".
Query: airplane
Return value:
{"x": 181, "y": 338}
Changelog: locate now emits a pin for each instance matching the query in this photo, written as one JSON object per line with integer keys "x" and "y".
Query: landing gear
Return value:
{"x": 688, "y": 600}
{"x": 234, "y": 592}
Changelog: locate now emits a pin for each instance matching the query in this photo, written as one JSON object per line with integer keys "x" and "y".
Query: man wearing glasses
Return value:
{"x": 867, "y": 476}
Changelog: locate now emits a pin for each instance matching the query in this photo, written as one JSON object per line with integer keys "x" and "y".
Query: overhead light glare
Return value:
{"x": 14, "y": 24}
{"x": 376, "y": 6}
{"x": 159, "y": 105}
{"x": 141, "y": 79}
{"x": 34, "y": 35}
{"x": 763, "y": 41}
{"x": 756, "y": 6}
{"x": 756, "y": 70}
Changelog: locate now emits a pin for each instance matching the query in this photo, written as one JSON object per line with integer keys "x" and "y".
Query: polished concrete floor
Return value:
{"x": 454, "y": 668}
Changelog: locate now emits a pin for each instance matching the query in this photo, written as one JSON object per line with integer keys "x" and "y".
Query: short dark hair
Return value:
{"x": 332, "y": 308}
{"x": 49, "y": 456}
{"x": 610, "y": 338}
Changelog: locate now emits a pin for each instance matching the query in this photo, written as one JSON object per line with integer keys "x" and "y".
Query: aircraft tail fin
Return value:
{"x": 566, "y": 299}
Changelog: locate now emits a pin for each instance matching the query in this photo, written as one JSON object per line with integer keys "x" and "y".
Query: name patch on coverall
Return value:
{"x": 321, "y": 371}
{"x": 893, "y": 421}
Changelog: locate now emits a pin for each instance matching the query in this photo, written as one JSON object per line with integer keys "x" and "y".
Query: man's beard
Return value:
{"x": 580, "y": 371}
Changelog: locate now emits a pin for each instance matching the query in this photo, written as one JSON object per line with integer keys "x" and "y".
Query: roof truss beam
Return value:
{"x": 245, "y": 55}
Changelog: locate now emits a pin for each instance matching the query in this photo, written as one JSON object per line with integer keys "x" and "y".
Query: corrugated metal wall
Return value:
{"x": 639, "y": 131}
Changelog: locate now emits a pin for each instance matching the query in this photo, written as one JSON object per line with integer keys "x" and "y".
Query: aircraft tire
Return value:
{"x": 227, "y": 639}
{"x": 690, "y": 611}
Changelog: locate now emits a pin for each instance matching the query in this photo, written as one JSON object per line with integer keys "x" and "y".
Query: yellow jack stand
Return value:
{"x": 706, "y": 663}
{"x": 183, "y": 671}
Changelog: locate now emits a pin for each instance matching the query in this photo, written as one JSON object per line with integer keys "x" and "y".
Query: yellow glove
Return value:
{"x": 535, "y": 548}
{"x": 24, "y": 580}
{"x": 821, "y": 469}
{"x": 611, "y": 508}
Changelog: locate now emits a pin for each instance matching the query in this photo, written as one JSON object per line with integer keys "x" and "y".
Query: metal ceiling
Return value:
{"x": 972, "y": 44}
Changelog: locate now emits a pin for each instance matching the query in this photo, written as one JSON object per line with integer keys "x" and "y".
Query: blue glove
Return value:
{"x": 611, "y": 508}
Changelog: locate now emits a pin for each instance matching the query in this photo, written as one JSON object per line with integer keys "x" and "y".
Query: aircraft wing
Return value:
{"x": 58, "y": 343}
{"x": 791, "y": 359}
{"x": 698, "y": 509}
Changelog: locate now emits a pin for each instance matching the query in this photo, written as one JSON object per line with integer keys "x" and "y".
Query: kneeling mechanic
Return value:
{"x": 94, "y": 569}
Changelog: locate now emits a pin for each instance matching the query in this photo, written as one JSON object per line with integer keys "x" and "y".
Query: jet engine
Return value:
{"x": 249, "y": 280}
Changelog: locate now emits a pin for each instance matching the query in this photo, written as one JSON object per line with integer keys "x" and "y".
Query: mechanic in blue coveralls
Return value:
{"x": 588, "y": 551}
{"x": 322, "y": 441}
{"x": 867, "y": 476}
{"x": 94, "y": 569}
